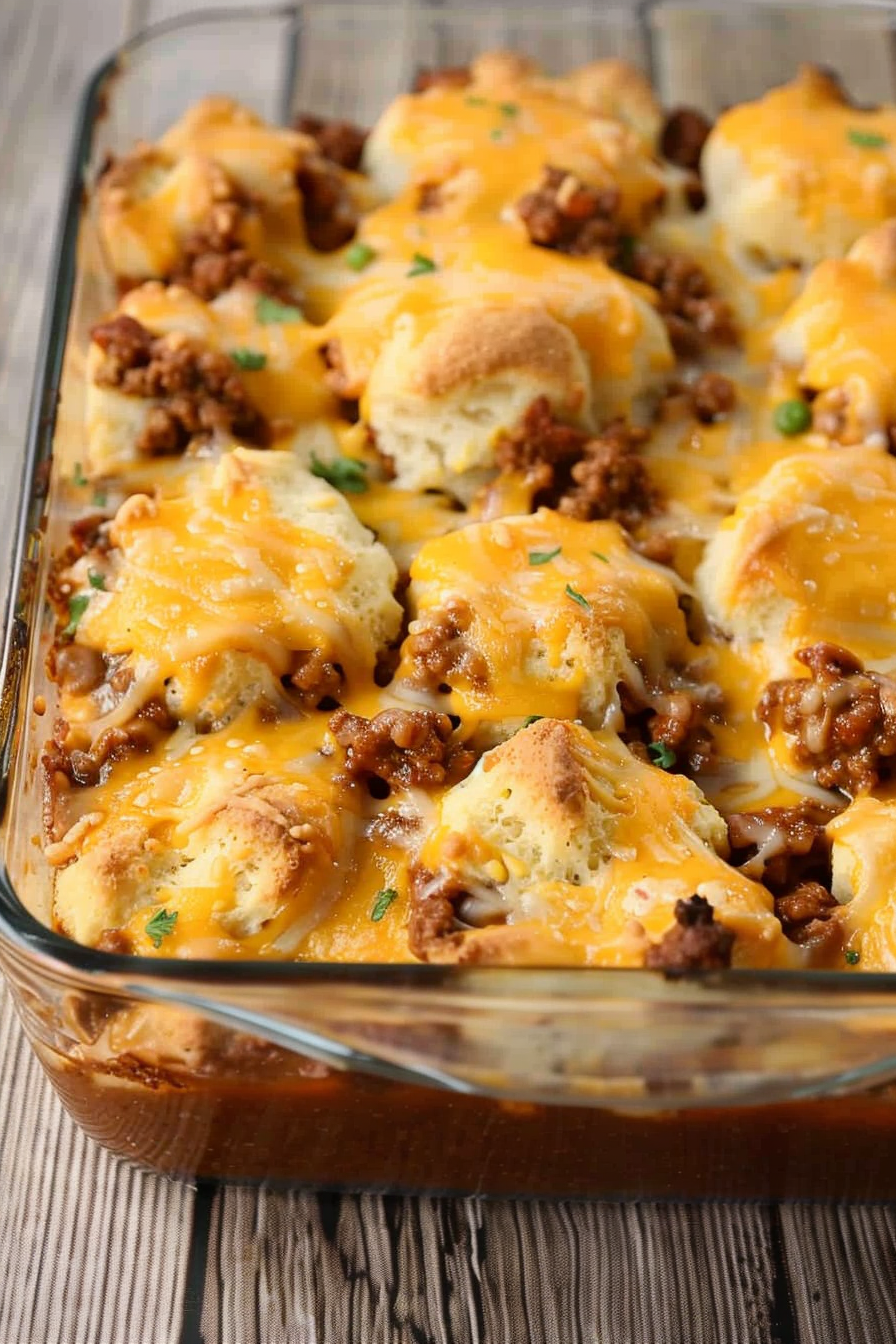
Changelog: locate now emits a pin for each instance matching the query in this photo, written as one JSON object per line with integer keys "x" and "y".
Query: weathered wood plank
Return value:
{"x": 44, "y": 60}
{"x": 92, "y": 1251}
{"x": 841, "y": 1265}
{"x": 373, "y": 1270}
{"x": 701, "y": 59}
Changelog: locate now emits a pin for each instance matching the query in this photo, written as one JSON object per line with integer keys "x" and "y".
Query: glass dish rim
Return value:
{"x": 23, "y": 932}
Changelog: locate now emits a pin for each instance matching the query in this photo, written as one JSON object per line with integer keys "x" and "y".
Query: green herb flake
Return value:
{"x": 661, "y": 755}
{"x": 77, "y": 606}
{"x": 96, "y": 579}
{"x": 533, "y": 718}
{"x": 496, "y": 134}
{"x": 577, "y": 597}
{"x": 78, "y": 477}
{"x": 866, "y": 139}
{"x": 100, "y": 498}
{"x": 625, "y": 254}
{"x": 252, "y": 360}
{"x": 509, "y": 109}
{"x": 383, "y": 900}
{"x": 161, "y": 924}
{"x": 852, "y": 957}
{"x": 792, "y": 417}
{"x": 345, "y": 473}
{"x": 474, "y": 100}
{"x": 268, "y": 310}
{"x": 542, "y": 557}
{"x": 421, "y": 265}
{"x": 599, "y": 555}
{"x": 358, "y": 256}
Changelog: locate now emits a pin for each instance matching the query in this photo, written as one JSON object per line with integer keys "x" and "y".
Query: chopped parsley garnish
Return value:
{"x": 161, "y": 924}
{"x": 533, "y": 718}
{"x": 268, "y": 310}
{"x": 474, "y": 100}
{"x": 852, "y": 957}
{"x": 792, "y": 417}
{"x": 542, "y": 557}
{"x": 383, "y": 900}
{"x": 866, "y": 139}
{"x": 421, "y": 265}
{"x": 358, "y": 256}
{"x": 77, "y": 606}
{"x": 249, "y": 359}
{"x": 78, "y": 477}
{"x": 345, "y": 473}
{"x": 626, "y": 252}
{"x": 599, "y": 555}
{"x": 496, "y": 134}
{"x": 509, "y": 109}
{"x": 96, "y": 579}
{"x": 100, "y": 498}
{"x": 577, "y": 597}
{"x": 661, "y": 755}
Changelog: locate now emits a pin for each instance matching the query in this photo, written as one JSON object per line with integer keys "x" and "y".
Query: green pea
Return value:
{"x": 792, "y": 417}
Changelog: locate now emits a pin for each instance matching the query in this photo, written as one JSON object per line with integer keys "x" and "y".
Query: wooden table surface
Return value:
{"x": 93, "y": 1251}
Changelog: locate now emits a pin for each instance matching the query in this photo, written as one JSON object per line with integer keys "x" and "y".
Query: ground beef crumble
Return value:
{"x": 683, "y": 136}
{"x": 213, "y": 258}
{"x": 200, "y": 389}
{"x": 403, "y": 748}
{"x": 565, "y": 214}
{"x": 682, "y": 722}
{"x": 315, "y": 677}
{"x": 841, "y": 718}
{"x": 583, "y": 476}
{"x": 440, "y": 652}
{"x": 87, "y": 534}
{"x": 69, "y": 760}
{"x": 434, "y": 921}
{"x": 696, "y": 941}
{"x": 327, "y": 206}
{"x": 339, "y": 141}
{"x": 787, "y": 849}
{"x": 694, "y": 315}
{"x": 713, "y": 396}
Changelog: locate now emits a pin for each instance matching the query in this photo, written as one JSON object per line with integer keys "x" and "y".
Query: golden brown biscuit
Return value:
{"x": 540, "y": 615}
{"x": 806, "y": 556}
{"x": 839, "y": 338}
{"x": 801, "y": 174}
{"x": 562, "y": 847}
{"x": 205, "y": 599}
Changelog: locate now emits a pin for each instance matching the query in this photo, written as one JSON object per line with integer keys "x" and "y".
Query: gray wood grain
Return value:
{"x": 92, "y": 1251}
{"x": 374, "y": 1270}
{"x": 95, "y": 1252}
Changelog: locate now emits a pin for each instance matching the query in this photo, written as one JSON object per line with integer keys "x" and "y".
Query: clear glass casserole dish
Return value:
{"x": 500, "y": 1080}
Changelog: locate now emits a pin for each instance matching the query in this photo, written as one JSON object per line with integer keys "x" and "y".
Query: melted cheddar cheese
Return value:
{"x": 552, "y": 825}
{"x": 806, "y": 556}
{"x": 455, "y": 651}
{"x": 801, "y": 173}
{"x": 556, "y": 636}
{"x": 257, "y": 558}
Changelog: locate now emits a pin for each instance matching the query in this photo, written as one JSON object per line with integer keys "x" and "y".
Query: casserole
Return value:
{"x": 264, "y": 1070}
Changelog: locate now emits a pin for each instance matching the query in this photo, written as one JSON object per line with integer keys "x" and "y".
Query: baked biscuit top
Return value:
{"x": 482, "y": 533}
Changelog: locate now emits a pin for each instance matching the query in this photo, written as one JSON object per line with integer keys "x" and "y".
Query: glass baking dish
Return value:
{"x": 611, "y": 1082}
